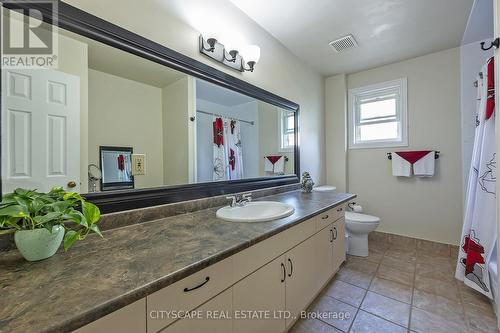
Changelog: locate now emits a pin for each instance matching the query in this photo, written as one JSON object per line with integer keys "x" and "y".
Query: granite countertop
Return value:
{"x": 100, "y": 275}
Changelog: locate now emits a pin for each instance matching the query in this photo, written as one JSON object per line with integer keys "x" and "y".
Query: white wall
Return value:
{"x": 472, "y": 59}
{"x": 172, "y": 23}
{"x": 335, "y": 133}
{"x": 126, "y": 113}
{"x": 422, "y": 208}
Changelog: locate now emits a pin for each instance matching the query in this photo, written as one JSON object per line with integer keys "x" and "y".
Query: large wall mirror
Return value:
{"x": 111, "y": 124}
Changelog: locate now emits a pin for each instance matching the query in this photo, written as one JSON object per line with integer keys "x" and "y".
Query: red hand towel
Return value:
{"x": 218, "y": 126}
{"x": 490, "y": 101}
{"x": 273, "y": 158}
{"x": 413, "y": 156}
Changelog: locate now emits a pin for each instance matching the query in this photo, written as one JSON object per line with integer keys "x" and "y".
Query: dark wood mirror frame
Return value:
{"x": 85, "y": 24}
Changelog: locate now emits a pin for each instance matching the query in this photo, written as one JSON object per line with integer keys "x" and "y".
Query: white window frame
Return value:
{"x": 399, "y": 85}
{"x": 282, "y": 133}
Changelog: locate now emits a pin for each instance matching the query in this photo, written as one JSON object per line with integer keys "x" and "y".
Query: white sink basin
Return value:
{"x": 256, "y": 211}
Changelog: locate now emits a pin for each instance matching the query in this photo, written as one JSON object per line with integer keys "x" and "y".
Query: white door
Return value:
{"x": 496, "y": 21}
{"x": 40, "y": 130}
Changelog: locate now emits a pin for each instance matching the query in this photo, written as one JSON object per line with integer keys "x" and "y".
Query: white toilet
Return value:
{"x": 358, "y": 227}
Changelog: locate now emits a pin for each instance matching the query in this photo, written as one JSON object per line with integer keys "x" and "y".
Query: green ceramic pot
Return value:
{"x": 39, "y": 244}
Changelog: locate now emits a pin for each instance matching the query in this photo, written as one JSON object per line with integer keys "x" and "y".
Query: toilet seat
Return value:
{"x": 360, "y": 218}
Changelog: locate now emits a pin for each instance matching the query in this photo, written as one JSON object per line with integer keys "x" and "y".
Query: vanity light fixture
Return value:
{"x": 243, "y": 60}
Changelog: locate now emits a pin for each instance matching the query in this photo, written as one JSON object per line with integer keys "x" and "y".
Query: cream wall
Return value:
{"x": 423, "y": 208}
{"x": 269, "y": 137}
{"x": 126, "y": 113}
{"x": 172, "y": 23}
{"x": 335, "y": 131}
{"x": 175, "y": 120}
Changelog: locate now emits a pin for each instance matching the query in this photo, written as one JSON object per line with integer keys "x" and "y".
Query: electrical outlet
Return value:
{"x": 138, "y": 164}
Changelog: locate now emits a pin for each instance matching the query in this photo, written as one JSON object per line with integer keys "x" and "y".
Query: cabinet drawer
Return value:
{"x": 330, "y": 216}
{"x": 249, "y": 260}
{"x": 187, "y": 294}
{"x": 129, "y": 319}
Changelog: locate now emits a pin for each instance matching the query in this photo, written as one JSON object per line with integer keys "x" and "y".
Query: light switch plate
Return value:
{"x": 138, "y": 164}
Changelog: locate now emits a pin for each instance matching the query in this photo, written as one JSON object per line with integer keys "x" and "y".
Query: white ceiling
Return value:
{"x": 386, "y": 30}
{"x": 219, "y": 95}
{"x": 480, "y": 24}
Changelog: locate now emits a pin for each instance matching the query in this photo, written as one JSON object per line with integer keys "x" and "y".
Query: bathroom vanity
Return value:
{"x": 137, "y": 277}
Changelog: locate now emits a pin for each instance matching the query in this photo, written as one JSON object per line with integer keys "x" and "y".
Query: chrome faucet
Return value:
{"x": 239, "y": 201}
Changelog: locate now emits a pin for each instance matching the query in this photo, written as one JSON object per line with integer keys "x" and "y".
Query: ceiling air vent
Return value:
{"x": 344, "y": 43}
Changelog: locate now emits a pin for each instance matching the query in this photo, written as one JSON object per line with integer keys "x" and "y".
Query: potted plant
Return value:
{"x": 40, "y": 221}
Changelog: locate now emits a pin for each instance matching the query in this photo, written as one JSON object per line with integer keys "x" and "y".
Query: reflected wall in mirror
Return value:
{"x": 54, "y": 122}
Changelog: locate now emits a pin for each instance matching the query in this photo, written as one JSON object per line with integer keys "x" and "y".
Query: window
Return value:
{"x": 287, "y": 129}
{"x": 377, "y": 115}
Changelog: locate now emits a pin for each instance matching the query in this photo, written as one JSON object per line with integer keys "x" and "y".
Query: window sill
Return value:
{"x": 376, "y": 145}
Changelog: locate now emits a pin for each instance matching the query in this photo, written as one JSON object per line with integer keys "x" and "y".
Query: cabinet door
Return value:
{"x": 129, "y": 319}
{"x": 338, "y": 243}
{"x": 260, "y": 295}
{"x": 301, "y": 279}
{"x": 212, "y": 317}
{"x": 323, "y": 241}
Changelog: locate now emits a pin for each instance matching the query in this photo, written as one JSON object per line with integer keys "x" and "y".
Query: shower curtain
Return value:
{"x": 227, "y": 152}
{"x": 479, "y": 233}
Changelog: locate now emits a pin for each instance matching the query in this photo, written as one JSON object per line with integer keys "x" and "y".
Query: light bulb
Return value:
{"x": 251, "y": 53}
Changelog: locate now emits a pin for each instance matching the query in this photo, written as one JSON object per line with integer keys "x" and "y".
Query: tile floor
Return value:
{"x": 404, "y": 285}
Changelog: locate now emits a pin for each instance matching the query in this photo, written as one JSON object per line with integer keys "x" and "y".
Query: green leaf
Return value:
{"x": 52, "y": 216}
{"x": 75, "y": 216}
{"x": 96, "y": 229}
{"x": 91, "y": 212}
{"x": 70, "y": 237}
{"x": 72, "y": 196}
{"x": 14, "y": 211}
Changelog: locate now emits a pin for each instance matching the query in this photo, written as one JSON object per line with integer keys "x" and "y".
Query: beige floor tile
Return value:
{"x": 368, "y": 323}
{"x": 378, "y": 246}
{"x": 402, "y": 243}
{"x": 361, "y": 265}
{"x": 387, "y": 308}
{"x": 480, "y": 319}
{"x": 432, "y": 260}
{"x": 404, "y": 264}
{"x": 471, "y": 296}
{"x": 377, "y": 236}
{"x": 395, "y": 274}
{"x": 425, "y": 268}
{"x": 345, "y": 292}
{"x": 436, "y": 249}
{"x": 336, "y": 313}
{"x": 312, "y": 326}
{"x": 436, "y": 272}
{"x": 373, "y": 256}
{"x": 426, "y": 322}
{"x": 438, "y": 287}
{"x": 354, "y": 277}
{"x": 454, "y": 252}
{"x": 395, "y": 290}
{"x": 441, "y": 306}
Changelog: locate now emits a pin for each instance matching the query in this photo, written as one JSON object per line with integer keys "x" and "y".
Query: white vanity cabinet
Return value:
{"x": 260, "y": 289}
{"x": 212, "y": 317}
{"x": 338, "y": 228}
{"x": 263, "y": 290}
